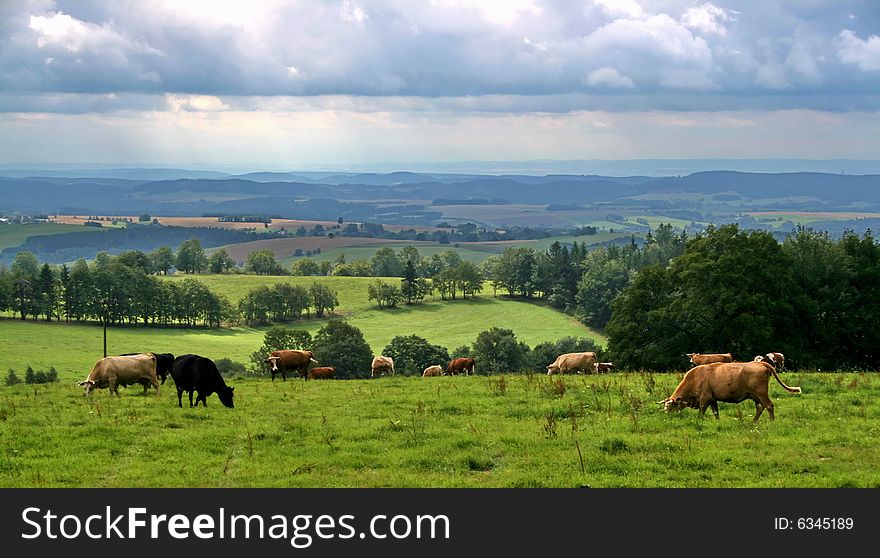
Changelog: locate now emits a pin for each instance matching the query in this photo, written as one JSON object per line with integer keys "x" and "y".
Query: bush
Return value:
{"x": 343, "y": 347}
{"x": 12, "y": 378}
{"x": 36, "y": 377}
{"x": 497, "y": 350}
{"x": 229, "y": 368}
{"x": 412, "y": 354}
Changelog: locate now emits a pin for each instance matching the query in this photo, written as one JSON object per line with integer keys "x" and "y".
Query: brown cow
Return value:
{"x": 281, "y": 362}
{"x": 776, "y": 360}
{"x": 708, "y": 358}
{"x": 459, "y": 365}
{"x": 321, "y": 373}
{"x": 114, "y": 371}
{"x": 574, "y": 362}
{"x": 729, "y": 382}
{"x": 434, "y": 370}
{"x": 381, "y": 364}
{"x": 605, "y": 367}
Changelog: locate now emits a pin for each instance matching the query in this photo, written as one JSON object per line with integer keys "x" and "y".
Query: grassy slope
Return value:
{"x": 458, "y": 432}
{"x": 73, "y": 349}
{"x": 15, "y": 235}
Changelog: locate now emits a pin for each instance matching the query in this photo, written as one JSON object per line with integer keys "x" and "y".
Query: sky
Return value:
{"x": 306, "y": 84}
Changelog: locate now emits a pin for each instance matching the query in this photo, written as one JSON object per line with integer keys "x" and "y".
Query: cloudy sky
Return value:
{"x": 311, "y": 83}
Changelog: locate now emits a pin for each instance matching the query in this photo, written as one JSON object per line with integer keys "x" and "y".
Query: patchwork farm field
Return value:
{"x": 16, "y": 234}
{"x": 510, "y": 430}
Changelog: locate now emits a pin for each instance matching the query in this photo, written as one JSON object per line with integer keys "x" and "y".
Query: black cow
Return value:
{"x": 164, "y": 361}
{"x": 200, "y": 374}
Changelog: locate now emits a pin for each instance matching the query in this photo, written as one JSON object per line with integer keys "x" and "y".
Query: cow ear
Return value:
{"x": 678, "y": 399}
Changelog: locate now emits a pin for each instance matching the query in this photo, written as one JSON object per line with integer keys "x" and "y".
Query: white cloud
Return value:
{"x": 620, "y": 8}
{"x": 74, "y": 35}
{"x": 196, "y": 103}
{"x": 608, "y": 77}
{"x": 865, "y": 54}
{"x": 707, "y": 18}
{"x": 352, "y": 11}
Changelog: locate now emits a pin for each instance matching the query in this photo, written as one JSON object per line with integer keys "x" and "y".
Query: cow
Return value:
{"x": 434, "y": 370}
{"x": 197, "y": 373}
{"x": 321, "y": 373}
{"x": 604, "y": 367}
{"x": 574, "y": 362}
{"x": 776, "y": 360}
{"x": 284, "y": 361}
{"x": 708, "y": 358}
{"x": 380, "y": 365}
{"x": 114, "y": 371}
{"x": 729, "y": 382}
{"x": 459, "y": 365}
{"x": 163, "y": 364}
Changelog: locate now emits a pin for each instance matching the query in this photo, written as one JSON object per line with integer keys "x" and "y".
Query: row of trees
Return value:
{"x": 342, "y": 346}
{"x": 108, "y": 290}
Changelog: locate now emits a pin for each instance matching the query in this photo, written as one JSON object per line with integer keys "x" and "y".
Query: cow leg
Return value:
{"x": 179, "y": 397}
{"x": 761, "y": 404}
{"x": 146, "y": 386}
{"x": 714, "y": 405}
{"x": 273, "y": 376}
{"x": 191, "y": 399}
{"x": 113, "y": 387}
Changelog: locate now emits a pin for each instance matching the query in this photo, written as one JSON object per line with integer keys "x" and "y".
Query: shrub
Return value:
{"x": 412, "y": 354}
{"x": 343, "y": 347}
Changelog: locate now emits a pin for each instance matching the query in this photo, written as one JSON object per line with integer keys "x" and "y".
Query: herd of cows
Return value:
{"x": 714, "y": 377}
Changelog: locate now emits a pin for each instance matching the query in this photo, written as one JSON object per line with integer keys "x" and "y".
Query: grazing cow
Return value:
{"x": 461, "y": 365}
{"x": 381, "y": 364}
{"x": 776, "y": 360}
{"x": 197, "y": 373}
{"x": 114, "y": 371}
{"x": 574, "y": 362}
{"x": 434, "y": 370}
{"x": 284, "y": 361}
{"x": 708, "y": 358}
{"x": 605, "y": 367}
{"x": 729, "y": 382}
{"x": 163, "y": 364}
{"x": 321, "y": 373}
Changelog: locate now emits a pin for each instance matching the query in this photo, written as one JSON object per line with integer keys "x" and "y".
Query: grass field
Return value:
{"x": 496, "y": 431}
{"x": 15, "y": 234}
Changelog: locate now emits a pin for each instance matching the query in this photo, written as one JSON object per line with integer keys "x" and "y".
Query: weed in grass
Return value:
{"x": 572, "y": 416}
{"x": 580, "y": 457}
{"x": 649, "y": 381}
{"x": 328, "y": 435}
{"x": 499, "y": 386}
{"x": 555, "y": 388}
{"x": 304, "y": 468}
{"x": 550, "y": 425}
{"x": 613, "y": 446}
{"x": 416, "y": 430}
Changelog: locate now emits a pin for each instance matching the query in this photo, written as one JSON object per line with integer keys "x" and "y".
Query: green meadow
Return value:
{"x": 512, "y": 430}
{"x": 16, "y": 234}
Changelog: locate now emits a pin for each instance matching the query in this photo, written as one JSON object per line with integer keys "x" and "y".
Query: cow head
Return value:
{"x": 225, "y": 396}
{"x": 88, "y": 384}
{"x": 272, "y": 361}
{"x": 673, "y": 404}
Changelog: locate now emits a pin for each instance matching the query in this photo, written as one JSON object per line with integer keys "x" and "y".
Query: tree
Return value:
{"x": 162, "y": 259}
{"x": 263, "y": 262}
{"x": 47, "y": 297}
{"x": 469, "y": 278}
{"x": 497, "y": 350}
{"x": 603, "y": 279}
{"x": 343, "y": 347}
{"x": 25, "y": 284}
{"x": 412, "y": 354}
{"x": 221, "y": 262}
{"x": 323, "y": 299}
{"x": 136, "y": 259}
{"x": 278, "y": 339}
{"x": 385, "y": 294}
{"x": 386, "y": 263}
{"x": 305, "y": 267}
{"x": 191, "y": 257}
{"x": 412, "y": 287}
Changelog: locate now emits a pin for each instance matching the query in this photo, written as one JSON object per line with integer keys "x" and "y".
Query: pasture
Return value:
{"x": 16, "y": 234}
{"x": 509, "y": 430}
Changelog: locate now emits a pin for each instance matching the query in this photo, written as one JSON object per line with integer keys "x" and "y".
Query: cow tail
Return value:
{"x": 790, "y": 389}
